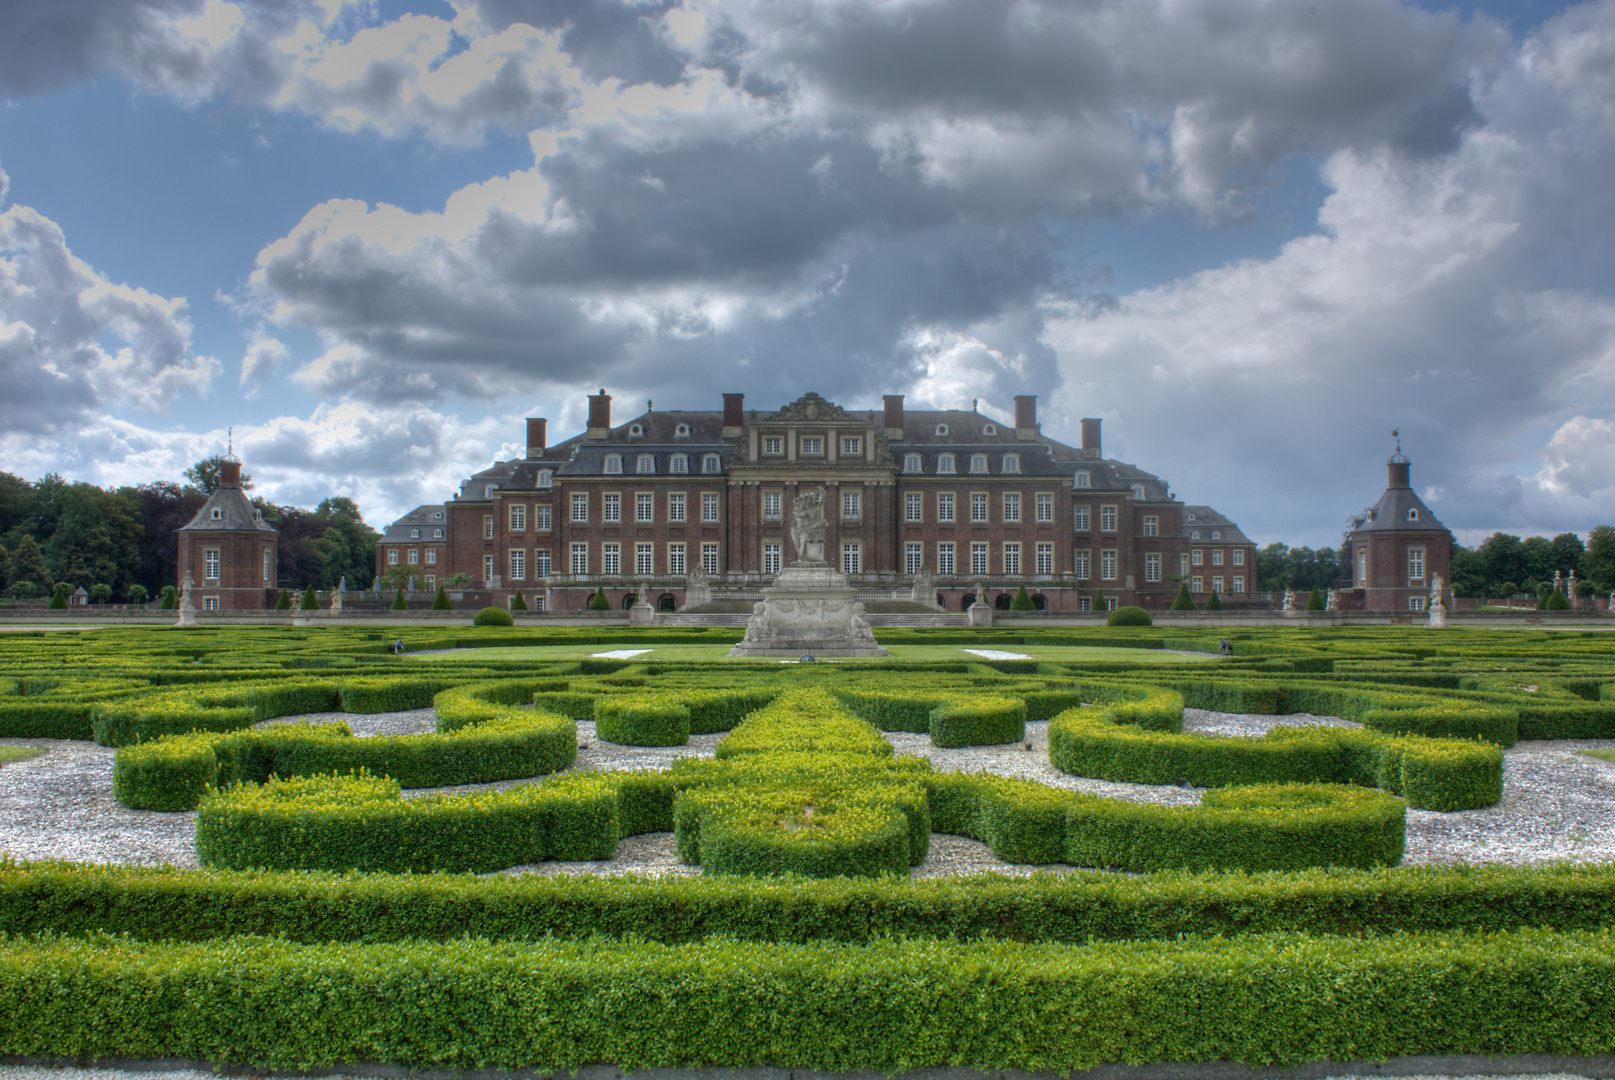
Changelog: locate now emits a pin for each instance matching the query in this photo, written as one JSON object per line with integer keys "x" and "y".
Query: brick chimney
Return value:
{"x": 1090, "y": 435}
{"x": 894, "y": 415}
{"x": 535, "y": 437}
{"x": 1397, "y": 473}
{"x": 734, "y": 415}
{"x": 599, "y": 415}
{"x": 1026, "y": 416}
{"x": 229, "y": 473}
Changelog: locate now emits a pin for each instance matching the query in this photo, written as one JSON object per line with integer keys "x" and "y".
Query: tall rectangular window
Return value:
{"x": 1239, "y": 557}
{"x": 1045, "y": 507}
{"x": 487, "y": 526}
{"x": 644, "y": 506}
{"x": 611, "y": 507}
{"x": 1183, "y": 563}
{"x": 392, "y": 556}
{"x": 1079, "y": 519}
{"x": 1045, "y": 559}
{"x": 269, "y": 567}
{"x": 414, "y": 556}
{"x": 912, "y": 504}
{"x": 1084, "y": 565}
{"x": 541, "y": 563}
{"x": 611, "y": 559}
{"x": 1012, "y": 506}
{"x": 978, "y": 506}
{"x": 1012, "y": 559}
{"x": 1152, "y": 566}
{"x": 1107, "y": 564}
{"x": 913, "y": 558}
{"x": 580, "y": 559}
{"x": 1216, "y": 584}
{"x": 944, "y": 559}
{"x": 944, "y": 507}
{"x": 1216, "y": 556}
{"x": 518, "y": 518}
{"x": 1107, "y": 519}
{"x": 541, "y": 517}
{"x": 487, "y": 568}
{"x": 580, "y": 507}
{"x": 771, "y": 506}
{"x": 1152, "y": 525}
{"x": 978, "y": 558}
{"x": 1415, "y": 564}
{"x": 1197, "y": 584}
{"x": 210, "y": 564}
{"x": 771, "y": 558}
{"x": 644, "y": 561}
{"x": 518, "y": 565}
{"x": 851, "y": 505}
{"x": 1197, "y": 557}
{"x": 675, "y": 507}
{"x": 1238, "y": 584}
{"x": 850, "y": 559}
{"x": 431, "y": 556}
{"x": 675, "y": 560}
{"x": 709, "y": 558}
{"x": 709, "y": 506}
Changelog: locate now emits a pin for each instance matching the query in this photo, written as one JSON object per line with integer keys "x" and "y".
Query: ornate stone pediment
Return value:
{"x": 811, "y": 408}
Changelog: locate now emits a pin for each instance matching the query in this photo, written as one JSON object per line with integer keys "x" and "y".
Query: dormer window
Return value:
{"x": 1413, "y": 514}
{"x": 682, "y": 431}
{"x": 1082, "y": 479}
{"x": 942, "y": 429}
{"x": 989, "y": 429}
{"x": 1216, "y": 534}
{"x": 978, "y": 463}
{"x": 679, "y": 463}
{"x": 414, "y": 534}
{"x": 911, "y": 463}
{"x": 1188, "y": 517}
{"x": 217, "y": 514}
{"x": 437, "y": 534}
{"x": 635, "y": 431}
{"x": 1195, "y": 535}
{"x": 439, "y": 515}
{"x": 1011, "y": 464}
{"x": 645, "y": 464}
{"x": 944, "y": 464}
{"x": 711, "y": 463}
{"x": 613, "y": 464}
{"x": 545, "y": 479}
{"x": 1138, "y": 491}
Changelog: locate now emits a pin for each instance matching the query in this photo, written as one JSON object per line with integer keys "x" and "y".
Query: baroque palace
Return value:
{"x": 939, "y": 507}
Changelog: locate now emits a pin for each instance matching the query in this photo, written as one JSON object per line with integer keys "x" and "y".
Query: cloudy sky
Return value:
{"x": 1254, "y": 236}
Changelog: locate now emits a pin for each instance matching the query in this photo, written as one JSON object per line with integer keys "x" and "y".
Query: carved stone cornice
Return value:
{"x": 810, "y": 408}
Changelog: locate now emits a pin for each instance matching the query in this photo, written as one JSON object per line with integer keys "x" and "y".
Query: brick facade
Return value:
{"x": 229, "y": 550}
{"x": 989, "y": 506}
{"x": 1397, "y": 548}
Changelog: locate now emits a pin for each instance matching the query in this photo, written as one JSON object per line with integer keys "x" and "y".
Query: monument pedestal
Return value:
{"x": 810, "y": 609}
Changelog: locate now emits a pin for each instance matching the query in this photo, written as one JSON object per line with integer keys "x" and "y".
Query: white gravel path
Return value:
{"x": 1557, "y": 804}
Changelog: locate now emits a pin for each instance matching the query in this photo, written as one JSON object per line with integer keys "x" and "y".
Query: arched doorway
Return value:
{"x": 667, "y": 602}
{"x": 628, "y": 600}
{"x": 966, "y": 600}
{"x": 1003, "y": 601}
{"x": 1040, "y": 601}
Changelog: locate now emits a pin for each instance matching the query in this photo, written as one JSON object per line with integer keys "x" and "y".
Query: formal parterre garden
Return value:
{"x": 337, "y": 918}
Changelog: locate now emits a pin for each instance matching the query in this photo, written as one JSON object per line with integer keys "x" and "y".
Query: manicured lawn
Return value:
{"x": 1070, "y": 654}
{"x": 1602, "y": 755}
{"x": 19, "y": 753}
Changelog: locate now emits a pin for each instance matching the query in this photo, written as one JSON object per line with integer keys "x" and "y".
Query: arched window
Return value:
{"x": 217, "y": 513}
{"x": 1413, "y": 513}
{"x": 911, "y": 463}
{"x": 682, "y": 431}
{"x": 978, "y": 463}
{"x": 679, "y": 463}
{"x": 1012, "y": 463}
{"x": 711, "y": 464}
{"x": 1082, "y": 479}
{"x": 546, "y": 478}
{"x": 989, "y": 429}
{"x": 635, "y": 431}
{"x": 942, "y": 429}
{"x": 614, "y": 464}
{"x": 1138, "y": 491}
{"x": 487, "y": 492}
{"x": 944, "y": 464}
{"x": 646, "y": 464}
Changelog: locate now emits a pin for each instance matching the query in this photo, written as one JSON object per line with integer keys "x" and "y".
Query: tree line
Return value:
{"x": 1501, "y": 566}
{"x": 121, "y": 543}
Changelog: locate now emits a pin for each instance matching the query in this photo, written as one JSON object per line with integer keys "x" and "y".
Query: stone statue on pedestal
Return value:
{"x": 1332, "y": 600}
{"x": 1289, "y": 602}
{"x": 187, "y": 601}
{"x": 336, "y": 596}
{"x": 807, "y": 527}
{"x": 1437, "y": 606}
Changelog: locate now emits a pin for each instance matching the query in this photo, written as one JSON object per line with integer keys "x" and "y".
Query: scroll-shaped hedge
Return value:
{"x": 486, "y": 740}
{"x": 951, "y": 717}
{"x": 1108, "y": 742}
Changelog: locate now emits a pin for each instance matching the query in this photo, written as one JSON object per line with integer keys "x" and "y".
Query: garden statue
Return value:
{"x": 187, "y": 601}
{"x": 1438, "y": 606}
{"x": 1332, "y": 600}
{"x": 1289, "y": 602}
{"x": 807, "y": 527}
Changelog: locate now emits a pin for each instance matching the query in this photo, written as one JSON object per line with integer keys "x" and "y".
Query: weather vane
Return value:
{"x": 1396, "y": 434}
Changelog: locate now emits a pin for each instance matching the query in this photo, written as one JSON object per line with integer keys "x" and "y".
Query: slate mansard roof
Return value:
{"x": 229, "y": 510}
{"x": 1204, "y": 520}
{"x": 426, "y": 518}
{"x": 1399, "y": 509}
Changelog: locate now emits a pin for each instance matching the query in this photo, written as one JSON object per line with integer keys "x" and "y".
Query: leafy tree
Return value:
{"x": 163, "y": 507}
{"x": 204, "y": 475}
{"x": 598, "y": 601}
{"x": 28, "y": 563}
{"x": 396, "y": 577}
{"x": 285, "y": 601}
{"x": 1565, "y": 552}
{"x": 1214, "y": 601}
{"x": 1315, "y": 601}
{"x": 1273, "y": 567}
{"x": 1505, "y": 562}
{"x": 1468, "y": 570}
{"x": 399, "y": 603}
{"x": 97, "y": 535}
{"x": 101, "y": 592}
{"x": 441, "y": 601}
{"x": 518, "y": 602}
{"x": 310, "y": 601}
{"x": 1183, "y": 601}
{"x": 1022, "y": 601}
{"x": 137, "y": 594}
{"x": 458, "y": 581}
{"x": 1598, "y": 561}
{"x": 23, "y": 590}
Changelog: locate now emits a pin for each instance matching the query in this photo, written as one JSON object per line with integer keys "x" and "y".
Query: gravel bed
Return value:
{"x": 1557, "y": 804}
